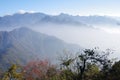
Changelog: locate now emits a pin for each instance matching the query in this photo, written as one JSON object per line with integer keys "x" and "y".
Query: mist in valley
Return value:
{"x": 104, "y": 37}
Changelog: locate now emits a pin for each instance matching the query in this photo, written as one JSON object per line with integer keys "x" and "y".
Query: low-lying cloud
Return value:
{"x": 104, "y": 37}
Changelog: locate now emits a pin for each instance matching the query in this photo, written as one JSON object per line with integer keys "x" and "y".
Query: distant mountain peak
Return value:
{"x": 63, "y": 14}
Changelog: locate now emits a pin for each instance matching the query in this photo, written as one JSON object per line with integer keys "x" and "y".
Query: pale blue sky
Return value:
{"x": 74, "y": 7}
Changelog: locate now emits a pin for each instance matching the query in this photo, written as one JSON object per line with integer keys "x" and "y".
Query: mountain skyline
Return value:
{"x": 59, "y": 39}
{"x": 72, "y": 29}
{"x": 85, "y": 31}
{"x": 41, "y": 18}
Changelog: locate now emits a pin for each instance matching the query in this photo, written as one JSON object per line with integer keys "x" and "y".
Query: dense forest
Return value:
{"x": 90, "y": 64}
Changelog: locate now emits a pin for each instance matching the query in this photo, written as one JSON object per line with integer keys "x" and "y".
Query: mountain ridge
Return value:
{"x": 24, "y": 44}
{"x": 37, "y": 19}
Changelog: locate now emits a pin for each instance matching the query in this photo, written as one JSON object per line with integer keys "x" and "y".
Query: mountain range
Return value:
{"x": 23, "y": 44}
{"x": 38, "y": 19}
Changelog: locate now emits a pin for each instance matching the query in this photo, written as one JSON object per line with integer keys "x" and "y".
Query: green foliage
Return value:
{"x": 91, "y": 72}
{"x": 13, "y": 73}
{"x": 89, "y": 65}
{"x": 86, "y": 63}
{"x": 114, "y": 73}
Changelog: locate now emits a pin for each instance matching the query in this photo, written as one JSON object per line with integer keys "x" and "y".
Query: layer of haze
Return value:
{"x": 87, "y": 37}
{"x": 102, "y": 37}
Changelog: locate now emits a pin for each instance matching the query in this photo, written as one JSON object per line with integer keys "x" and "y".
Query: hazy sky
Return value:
{"x": 74, "y": 7}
